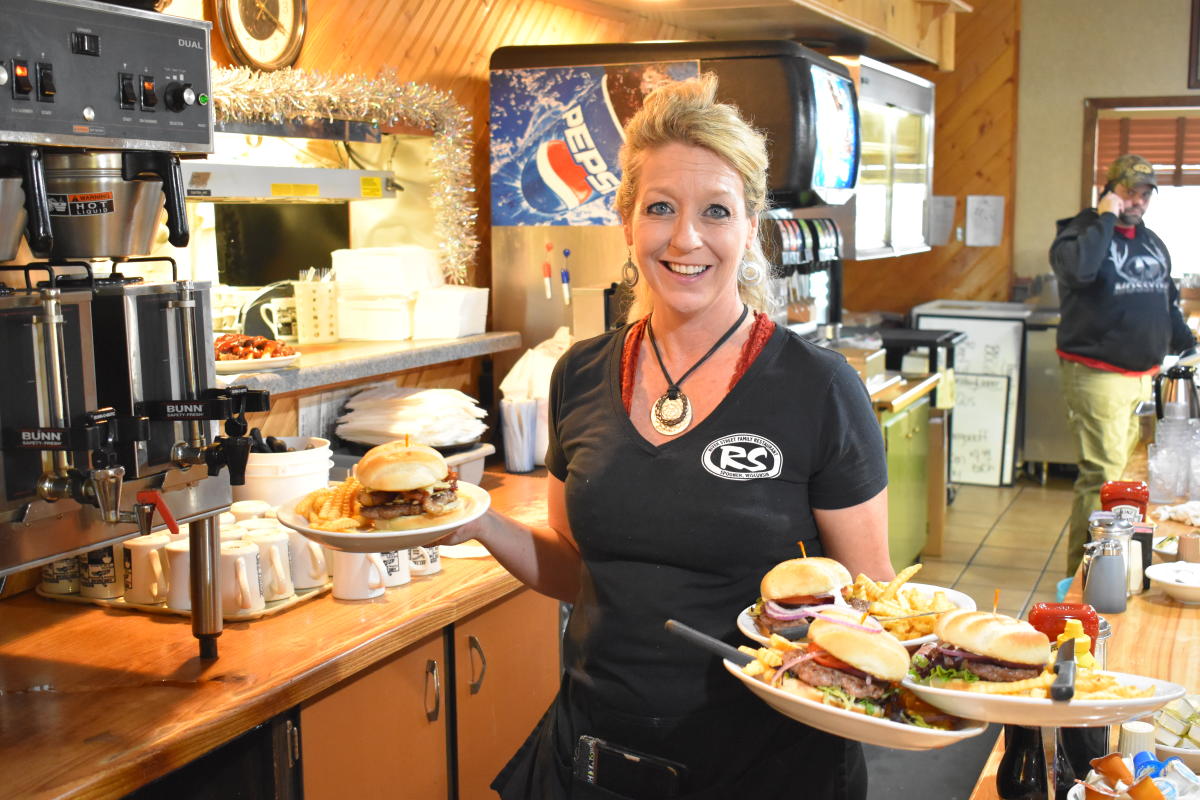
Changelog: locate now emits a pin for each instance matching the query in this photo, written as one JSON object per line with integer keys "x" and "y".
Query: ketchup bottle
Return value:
{"x": 1127, "y": 499}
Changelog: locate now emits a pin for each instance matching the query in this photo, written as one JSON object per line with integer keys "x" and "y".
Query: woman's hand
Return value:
{"x": 546, "y": 559}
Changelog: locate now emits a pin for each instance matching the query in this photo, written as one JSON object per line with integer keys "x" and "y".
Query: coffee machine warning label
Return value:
{"x": 80, "y": 205}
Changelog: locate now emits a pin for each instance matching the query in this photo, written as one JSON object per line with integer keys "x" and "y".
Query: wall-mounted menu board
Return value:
{"x": 978, "y": 446}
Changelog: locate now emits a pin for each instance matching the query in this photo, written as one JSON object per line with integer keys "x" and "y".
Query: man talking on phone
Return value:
{"x": 1120, "y": 317}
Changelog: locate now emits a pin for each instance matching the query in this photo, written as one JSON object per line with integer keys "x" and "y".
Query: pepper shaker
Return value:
{"x": 1106, "y": 582}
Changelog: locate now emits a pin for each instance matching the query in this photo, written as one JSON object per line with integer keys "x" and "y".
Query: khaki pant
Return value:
{"x": 1100, "y": 407}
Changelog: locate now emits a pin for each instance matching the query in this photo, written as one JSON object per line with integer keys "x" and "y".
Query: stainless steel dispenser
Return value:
{"x": 110, "y": 382}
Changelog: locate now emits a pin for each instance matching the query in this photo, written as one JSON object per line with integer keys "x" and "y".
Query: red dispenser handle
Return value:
{"x": 152, "y": 497}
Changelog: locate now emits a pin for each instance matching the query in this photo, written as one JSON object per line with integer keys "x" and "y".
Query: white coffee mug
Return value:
{"x": 101, "y": 573}
{"x": 279, "y": 315}
{"x": 249, "y": 509}
{"x": 275, "y": 562}
{"x": 179, "y": 565}
{"x": 232, "y": 533}
{"x": 241, "y": 578}
{"x": 424, "y": 560}
{"x": 395, "y": 568}
{"x": 146, "y": 577}
{"x": 357, "y": 576}
{"x": 226, "y": 518}
{"x": 308, "y": 567}
{"x": 61, "y": 577}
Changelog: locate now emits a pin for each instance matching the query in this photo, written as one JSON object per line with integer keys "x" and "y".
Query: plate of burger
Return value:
{"x": 788, "y": 592}
{"x": 791, "y": 591}
{"x": 846, "y": 681}
{"x": 398, "y": 496}
{"x": 996, "y": 668}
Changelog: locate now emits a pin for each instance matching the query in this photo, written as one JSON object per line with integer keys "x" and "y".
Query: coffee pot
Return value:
{"x": 1175, "y": 394}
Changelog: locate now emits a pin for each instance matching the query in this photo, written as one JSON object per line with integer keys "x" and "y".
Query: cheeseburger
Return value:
{"x": 406, "y": 486}
{"x": 850, "y": 664}
{"x": 981, "y": 646}
{"x": 789, "y": 589}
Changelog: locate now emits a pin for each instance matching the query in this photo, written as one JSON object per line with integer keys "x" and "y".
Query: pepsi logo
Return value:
{"x": 742, "y": 457}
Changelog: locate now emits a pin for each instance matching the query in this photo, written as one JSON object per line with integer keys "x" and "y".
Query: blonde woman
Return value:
{"x": 689, "y": 452}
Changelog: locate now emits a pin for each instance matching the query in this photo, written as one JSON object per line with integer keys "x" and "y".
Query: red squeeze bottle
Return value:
{"x": 1051, "y": 619}
{"x": 1127, "y": 499}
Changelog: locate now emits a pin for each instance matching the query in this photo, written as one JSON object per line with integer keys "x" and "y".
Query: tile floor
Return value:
{"x": 1009, "y": 538}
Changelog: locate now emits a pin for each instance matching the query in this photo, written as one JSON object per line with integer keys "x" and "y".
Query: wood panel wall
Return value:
{"x": 447, "y": 44}
{"x": 974, "y": 150}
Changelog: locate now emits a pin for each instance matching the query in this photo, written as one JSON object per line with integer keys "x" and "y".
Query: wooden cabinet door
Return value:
{"x": 372, "y": 736}
{"x": 506, "y": 672}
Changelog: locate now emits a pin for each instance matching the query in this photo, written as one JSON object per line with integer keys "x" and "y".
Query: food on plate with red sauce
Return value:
{"x": 239, "y": 347}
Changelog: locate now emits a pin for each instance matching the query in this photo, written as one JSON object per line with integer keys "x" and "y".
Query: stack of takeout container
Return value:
{"x": 377, "y": 289}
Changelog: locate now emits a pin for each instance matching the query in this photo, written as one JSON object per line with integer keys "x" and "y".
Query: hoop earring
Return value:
{"x": 629, "y": 272}
{"x": 749, "y": 273}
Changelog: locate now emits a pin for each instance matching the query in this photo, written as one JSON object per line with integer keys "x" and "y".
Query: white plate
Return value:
{"x": 850, "y": 724}
{"x": 1035, "y": 712}
{"x": 1167, "y": 547}
{"x": 255, "y": 364}
{"x": 746, "y": 625}
{"x": 475, "y": 500}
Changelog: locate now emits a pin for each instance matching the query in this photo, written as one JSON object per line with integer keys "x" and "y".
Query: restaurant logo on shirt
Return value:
{"x": 742, "y": 457}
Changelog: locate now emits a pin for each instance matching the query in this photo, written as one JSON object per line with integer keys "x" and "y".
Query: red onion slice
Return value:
{"x": 776, "y": 611}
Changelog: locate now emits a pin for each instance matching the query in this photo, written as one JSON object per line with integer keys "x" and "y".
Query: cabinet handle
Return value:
{"x": 431, "y": 669}
{"x": 475, "y": 647}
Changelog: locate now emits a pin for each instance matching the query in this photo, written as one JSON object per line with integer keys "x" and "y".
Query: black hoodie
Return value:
{"x": 1118, "y": 302}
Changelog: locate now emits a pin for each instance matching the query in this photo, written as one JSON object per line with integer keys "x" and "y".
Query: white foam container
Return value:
{"x": 278, "y": 477}
{"x": 371, "y": 316}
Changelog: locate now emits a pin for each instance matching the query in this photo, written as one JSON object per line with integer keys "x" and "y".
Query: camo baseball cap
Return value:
{"x": 1132, "y": 171}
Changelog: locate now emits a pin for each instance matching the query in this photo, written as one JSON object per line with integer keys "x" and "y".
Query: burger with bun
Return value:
{"x": 406, "y": 487}
{"x": 854, "y": 664}
{"x": 789, "y": 591}
{"x": 982, "y": 646}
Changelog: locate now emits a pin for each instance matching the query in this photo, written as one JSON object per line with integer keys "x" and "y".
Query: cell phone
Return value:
{"x": 635, "y": 775}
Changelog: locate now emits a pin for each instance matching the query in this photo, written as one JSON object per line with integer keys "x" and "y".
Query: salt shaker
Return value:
{"x": 1105, "y": 587}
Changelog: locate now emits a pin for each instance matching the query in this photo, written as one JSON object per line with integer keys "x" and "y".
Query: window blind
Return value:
{"x": 1170, "y": 143}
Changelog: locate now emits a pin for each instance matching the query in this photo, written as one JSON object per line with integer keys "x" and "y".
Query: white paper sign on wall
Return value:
{"x": 978, "y": 451}
{"x": 985, "y": 220}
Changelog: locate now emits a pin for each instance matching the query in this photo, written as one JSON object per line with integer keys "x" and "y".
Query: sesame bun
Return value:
{"x": 995, "y": 636}
{"x": 395, "y": 467}
{"x": 798, "y": 577}
{"x": 877, "y": 654}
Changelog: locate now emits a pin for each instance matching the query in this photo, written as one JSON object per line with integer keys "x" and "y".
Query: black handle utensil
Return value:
{"x": 1063, "y": 688}
{"x": 709, "y": 643}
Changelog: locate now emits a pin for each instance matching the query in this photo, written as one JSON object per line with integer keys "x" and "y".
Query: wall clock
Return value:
{"x": 263, "y": 34}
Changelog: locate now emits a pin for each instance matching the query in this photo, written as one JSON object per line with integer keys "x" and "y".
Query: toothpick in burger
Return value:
{"x": 792, "y": 588}
{"x": 406, "y": 487}
{"x": 980, "y": 647}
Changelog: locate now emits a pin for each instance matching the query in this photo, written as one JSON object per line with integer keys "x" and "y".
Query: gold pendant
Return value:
{"x": 671, "y": 415}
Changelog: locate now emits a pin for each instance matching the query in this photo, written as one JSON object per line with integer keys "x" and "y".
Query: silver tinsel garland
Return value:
{"x": 246, "y": 95}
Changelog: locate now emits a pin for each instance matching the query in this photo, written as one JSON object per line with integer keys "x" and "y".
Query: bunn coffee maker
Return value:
{"x": 109, "y": 382}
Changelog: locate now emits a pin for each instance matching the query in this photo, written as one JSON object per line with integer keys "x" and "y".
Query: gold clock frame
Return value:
{"x": 224, "y": 11}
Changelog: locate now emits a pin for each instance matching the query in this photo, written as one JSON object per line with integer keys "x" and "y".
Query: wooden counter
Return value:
{"x": 1155, "y": 636}
{"x": 95, "y": 702}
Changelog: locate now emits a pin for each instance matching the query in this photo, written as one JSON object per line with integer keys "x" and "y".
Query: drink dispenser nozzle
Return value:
{"x": 233, "y": 449}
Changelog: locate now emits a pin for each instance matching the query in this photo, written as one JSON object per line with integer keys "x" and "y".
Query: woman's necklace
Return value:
{"x": 672, "y": 413}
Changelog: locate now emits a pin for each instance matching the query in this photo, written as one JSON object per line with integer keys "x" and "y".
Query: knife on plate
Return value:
{"x": 710, "y": 643}
{"x": 1063, "y": 688}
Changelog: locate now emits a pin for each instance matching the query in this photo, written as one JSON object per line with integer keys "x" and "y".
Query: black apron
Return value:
{"x": 686, "y": 530}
